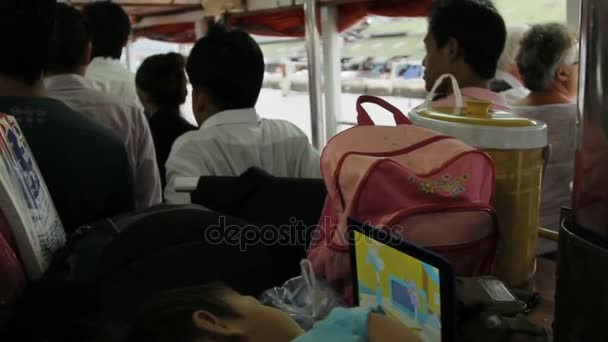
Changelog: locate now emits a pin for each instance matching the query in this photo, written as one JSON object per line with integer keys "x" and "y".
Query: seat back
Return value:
{"x": 283, "y": 212}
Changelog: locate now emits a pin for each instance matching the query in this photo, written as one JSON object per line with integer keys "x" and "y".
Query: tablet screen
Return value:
{"x": 406, "y": 288}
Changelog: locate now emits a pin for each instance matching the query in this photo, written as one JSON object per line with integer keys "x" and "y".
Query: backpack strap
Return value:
{"x": 363, "y": 118}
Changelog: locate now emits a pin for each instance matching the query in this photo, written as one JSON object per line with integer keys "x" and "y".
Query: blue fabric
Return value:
{"x": 375, "y": 260}
{"x": 342, "y": 325}
{"x": 432, "y": 272}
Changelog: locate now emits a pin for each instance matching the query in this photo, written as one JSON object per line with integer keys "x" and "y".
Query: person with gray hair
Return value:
{"x": 507, "y": 81}
{"x": 548, "y": 64}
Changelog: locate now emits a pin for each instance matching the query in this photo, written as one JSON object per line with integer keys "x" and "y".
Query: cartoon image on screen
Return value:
{"x": 406, "y": 288}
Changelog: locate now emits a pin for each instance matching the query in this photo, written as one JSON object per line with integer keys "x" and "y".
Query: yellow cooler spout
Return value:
{"x": 477, "y": 108}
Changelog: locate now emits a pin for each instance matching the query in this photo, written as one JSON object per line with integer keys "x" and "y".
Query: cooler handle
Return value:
{"x": 363, "y": 118}
{"x": 458, "y": 99}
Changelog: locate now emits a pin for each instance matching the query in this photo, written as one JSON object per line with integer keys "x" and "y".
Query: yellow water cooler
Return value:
{"x": 517, "y": 146}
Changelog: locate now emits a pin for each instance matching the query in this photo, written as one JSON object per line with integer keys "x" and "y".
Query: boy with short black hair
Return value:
{"x": 110, "y": 28}
{"x": 226, "y": 69}
{"x": 465, "y": 38}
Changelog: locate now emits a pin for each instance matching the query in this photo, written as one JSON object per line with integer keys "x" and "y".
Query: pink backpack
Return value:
{"x": 432, "y": 190}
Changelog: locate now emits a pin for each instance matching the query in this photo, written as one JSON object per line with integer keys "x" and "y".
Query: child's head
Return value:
{"x": 211, "y": 312}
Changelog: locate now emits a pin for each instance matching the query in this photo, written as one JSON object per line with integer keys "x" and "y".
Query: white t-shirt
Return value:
{"x": 561, "y": 125}
{"x": 230, "y": 142}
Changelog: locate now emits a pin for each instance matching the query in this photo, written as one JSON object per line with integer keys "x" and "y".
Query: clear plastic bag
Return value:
{"x": 305, "y": 298}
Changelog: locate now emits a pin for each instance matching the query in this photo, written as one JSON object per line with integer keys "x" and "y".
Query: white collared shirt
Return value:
{"x": 122, "y": 117}
{"x": 111, "y": 76}
{"x": 230, "y": 142}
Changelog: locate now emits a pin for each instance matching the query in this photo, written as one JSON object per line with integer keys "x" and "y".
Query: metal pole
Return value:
{"x": 317, "y": 118}
{"x": 573, "y": 14}
{"x": 590, "y": 201}
{"x": 128, "y": 55}
{"x": 580, "y": 296}
{"x": 199, "y": 29}
{"x": 332, "y": 68}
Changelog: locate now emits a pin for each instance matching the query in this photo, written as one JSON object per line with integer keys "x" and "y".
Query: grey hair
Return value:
{"x": 543, "y": 49}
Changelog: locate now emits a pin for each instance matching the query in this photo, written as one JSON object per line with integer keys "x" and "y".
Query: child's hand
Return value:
{"x": 382, "y": 328}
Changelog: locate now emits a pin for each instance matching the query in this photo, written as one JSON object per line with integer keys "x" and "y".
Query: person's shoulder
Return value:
{"x": 283, "y": 127}
{"x": 65, "y": 115}
{"x": 119, "y": 104}
{"x": 103, "y": 147}
{"x": 280, "y": 123}
{"x": 80, "y": 125}
{"x": 122, "y": 71}
{"x": 97, "y": 68}
{"x": 121, "y": 111}
{"x": 188, "y": 141}
{"x": 109, "y": 70}
{"x": 559, "y": 117}
{"x": 68, "y": 122}
{"x": 185, "y": 124}
{"x": 84, "y": 133}
{"x": 550, "y": 109}
{"x": 100, "y": 98}
{"x": 105, "y": 98}
{"x": 171, "y": 123}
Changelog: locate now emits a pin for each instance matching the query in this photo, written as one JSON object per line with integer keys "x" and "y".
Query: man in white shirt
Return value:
{"x": 110, "y": 28}
{"x": 70, "y": 50}
{"x": 226, "y": 69}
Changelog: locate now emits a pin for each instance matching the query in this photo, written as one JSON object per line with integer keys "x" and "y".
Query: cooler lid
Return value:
{"x": 473, "y": 122}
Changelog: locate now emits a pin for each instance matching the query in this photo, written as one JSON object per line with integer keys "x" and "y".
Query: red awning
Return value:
{"x": 173, "y": 33}
{"x": 290, "y": 22}
{"x": 175, "y": 28}
{"x": 399, "y": 8}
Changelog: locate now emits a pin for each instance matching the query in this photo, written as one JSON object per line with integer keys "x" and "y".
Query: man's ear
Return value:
{"x": 88, "y": 53}
{"x": 452, "y": 49}
{"x": 199, "y": 104}
{"x": 214, "y": 326}
{"x": 144, "y": 98}
{"x": 562, "y": 74}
